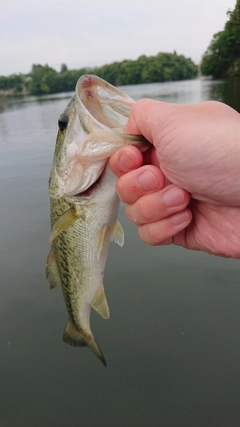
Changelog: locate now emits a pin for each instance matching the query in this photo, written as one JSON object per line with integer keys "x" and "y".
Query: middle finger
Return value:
{"x": 137, "y": 183}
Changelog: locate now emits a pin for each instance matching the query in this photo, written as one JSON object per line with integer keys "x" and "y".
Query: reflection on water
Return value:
{"x": 173, "y": 339}
{"x": 227, "y": 91}
{"x": 190, "y": 91}
{"x": 16, "y": 102}
{"x": 187, "y": 91}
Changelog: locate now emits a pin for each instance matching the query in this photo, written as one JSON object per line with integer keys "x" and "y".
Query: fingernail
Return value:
{"x": 147, "y": 181}
{"x": 179, "y": 218}
{"x": 173, "y": 197}
{"x": 126, "y": 162}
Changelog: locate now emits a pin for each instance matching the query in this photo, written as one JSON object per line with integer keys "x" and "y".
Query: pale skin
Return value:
{"x": 185, "y": 190}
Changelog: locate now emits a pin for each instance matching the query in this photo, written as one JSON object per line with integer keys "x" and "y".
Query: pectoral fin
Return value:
{"x": 117, "y": 233}
{"x": 52, "y": 273}
{"x": 67, "y": 219}
{"x": 100, "y": 304}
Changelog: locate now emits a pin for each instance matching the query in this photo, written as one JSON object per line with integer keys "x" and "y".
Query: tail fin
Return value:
{"x": 77, "y": 338}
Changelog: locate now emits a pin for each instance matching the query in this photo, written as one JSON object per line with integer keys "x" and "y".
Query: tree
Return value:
{"x": 162, "y": 67}
{"x": 224, "y": 49}
{"x": 43, "y": 80}
{"x": 63, "y": 68}
{"x": 14, "y": 83}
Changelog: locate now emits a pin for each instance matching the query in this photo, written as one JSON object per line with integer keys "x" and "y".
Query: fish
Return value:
{"x": 84, "y": 202}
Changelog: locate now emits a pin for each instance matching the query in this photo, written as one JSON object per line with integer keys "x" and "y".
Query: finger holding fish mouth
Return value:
{"x": 157, "y": 210}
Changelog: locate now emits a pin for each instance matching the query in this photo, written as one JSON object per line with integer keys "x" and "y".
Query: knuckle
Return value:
{"x": 156, "y": 233}
{"x": 131, "y": 214}
{"x": 120, "y": 189}
{"x": 148, "y": 236}
{"x": 144, "y": 211}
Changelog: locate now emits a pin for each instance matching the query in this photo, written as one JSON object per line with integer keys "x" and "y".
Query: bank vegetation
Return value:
{"x": 146, "y": 69}
{"x": 222, "y": 58}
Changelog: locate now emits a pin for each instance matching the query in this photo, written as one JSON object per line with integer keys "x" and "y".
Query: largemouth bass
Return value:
{"x": 84, "y": 203}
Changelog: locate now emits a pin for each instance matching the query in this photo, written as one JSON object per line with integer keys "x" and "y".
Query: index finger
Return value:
{"x": 125, "y": 160}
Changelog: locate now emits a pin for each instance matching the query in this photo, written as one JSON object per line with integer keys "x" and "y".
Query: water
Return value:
{"x": 172, "y": 342}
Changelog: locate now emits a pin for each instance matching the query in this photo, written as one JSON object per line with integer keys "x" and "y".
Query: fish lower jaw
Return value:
{"x": 87, "y": 192}
{"x": 62, "y": 191}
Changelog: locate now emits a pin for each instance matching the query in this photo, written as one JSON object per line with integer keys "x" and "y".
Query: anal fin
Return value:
{"x": 100, "y": 304}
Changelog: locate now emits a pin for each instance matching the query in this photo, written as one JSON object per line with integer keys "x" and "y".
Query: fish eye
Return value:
{"x": 63, "y": 122}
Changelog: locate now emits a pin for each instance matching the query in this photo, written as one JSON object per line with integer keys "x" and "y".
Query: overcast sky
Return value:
{"x": 94, "y": 32}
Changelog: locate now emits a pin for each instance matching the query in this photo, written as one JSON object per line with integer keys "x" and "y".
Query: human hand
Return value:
{"x": 191, "y": 195}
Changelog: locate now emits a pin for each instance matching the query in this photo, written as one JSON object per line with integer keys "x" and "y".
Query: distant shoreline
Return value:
{"x": 11, "y": 93}
{"x": 146, "y": 69}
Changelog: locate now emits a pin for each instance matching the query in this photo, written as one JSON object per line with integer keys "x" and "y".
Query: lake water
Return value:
{"x": 172, "y": 342}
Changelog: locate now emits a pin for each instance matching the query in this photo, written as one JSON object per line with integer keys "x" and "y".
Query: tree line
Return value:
{"x": 146, "y": 69}
{"x": 222, "y": 57}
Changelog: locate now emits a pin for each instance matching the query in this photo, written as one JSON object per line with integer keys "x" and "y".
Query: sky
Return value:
{"x": 91, "y": 33}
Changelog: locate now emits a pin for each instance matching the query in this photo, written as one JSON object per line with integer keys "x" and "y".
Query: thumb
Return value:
{"x": 141, "y": 118}
{"x": 148, "y": 116}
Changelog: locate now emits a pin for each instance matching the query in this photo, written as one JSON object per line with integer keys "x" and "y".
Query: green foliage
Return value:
{"x": 45, "y": 80}
{"x": 159, "y": 68}
{"x": 224, "y": 50}
{"x": 63, "y": 68}
{"x": 12, "y": 84}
